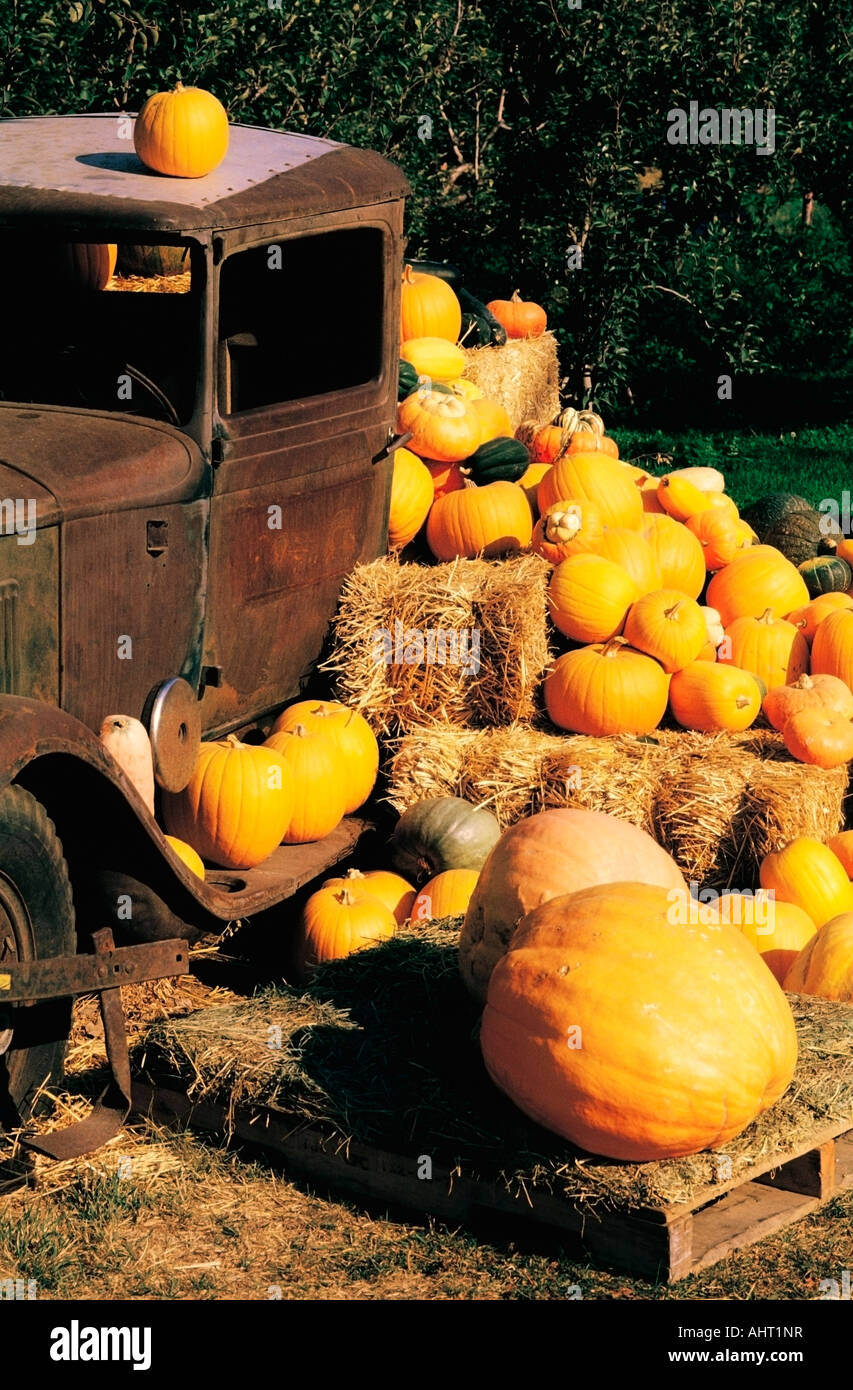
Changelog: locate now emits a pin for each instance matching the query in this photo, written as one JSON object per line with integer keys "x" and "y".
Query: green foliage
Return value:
{"x": 531, "y": 130}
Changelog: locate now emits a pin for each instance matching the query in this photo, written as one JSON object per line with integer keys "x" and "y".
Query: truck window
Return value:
{"x": 130, "y": 344}
{"x": 300, "y": 318}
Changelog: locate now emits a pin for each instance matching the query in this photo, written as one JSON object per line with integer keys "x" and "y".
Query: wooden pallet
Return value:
{"x": 663, "y": 1243}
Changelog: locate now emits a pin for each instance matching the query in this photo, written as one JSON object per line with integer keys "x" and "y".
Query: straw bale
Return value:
{"x": 389, "y": 614}
{"x": 362, "y": 1055}
{"x": 522, "y": 376}
{"x": 716, "y": 802}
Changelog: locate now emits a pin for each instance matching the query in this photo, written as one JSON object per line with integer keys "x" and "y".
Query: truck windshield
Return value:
{"x": 102, "y": 327}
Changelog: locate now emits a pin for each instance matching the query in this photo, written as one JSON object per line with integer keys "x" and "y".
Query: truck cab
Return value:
{"x": 194, "y": 452}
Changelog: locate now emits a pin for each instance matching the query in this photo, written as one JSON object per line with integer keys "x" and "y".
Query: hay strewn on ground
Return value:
{"x": 462, "y": 644}
{"x": 151, "y": 284}
{"x": 717, "y": 802}
{"x": 362, "y": 1053}
{"x": 522, "y": 376}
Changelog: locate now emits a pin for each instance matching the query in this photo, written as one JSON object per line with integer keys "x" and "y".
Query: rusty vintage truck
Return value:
{"x": 185, "y": 479}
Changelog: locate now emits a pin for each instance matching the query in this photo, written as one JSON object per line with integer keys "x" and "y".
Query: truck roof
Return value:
{"x": 82, "y": 171}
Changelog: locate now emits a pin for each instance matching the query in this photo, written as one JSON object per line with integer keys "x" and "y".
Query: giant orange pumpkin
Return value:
{"x": 632, "y": 1034}
{"x": 593, "y": 478}
{"x": 490, "y": 520}
{"x": 235, "y": 807}
{"x": 428, "y": 307}
{"x": 183, "y": 132}
{"x": 355, "y": 740}
{"x": 606, "y": 689}
{"x": 541, "y": 857}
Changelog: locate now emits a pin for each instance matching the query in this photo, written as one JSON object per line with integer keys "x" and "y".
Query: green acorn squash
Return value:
{"x": 826, "y": 574}
{"x": 498, "y": 460}
{"x": 768, "y": 511}
{"x": 797, "y": 535}
{"x": 443, "y": 832}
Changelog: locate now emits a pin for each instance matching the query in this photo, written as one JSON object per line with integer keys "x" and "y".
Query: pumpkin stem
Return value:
{"x": 767, "y": 617}
{"x": 234, "y": 742}
{"x": 344, "y": 897}
{"x": 466, "y": 474}
{"x": 179, "y": 86}
{"x": 355, "y": 875}
{"x": 742, "y": 701}
{"x": 671, "y": 612}
{"x": 408, "y": 275}
{"x": 515, "y": 297}
{"x": 613, "y": 646}
{"x": 805, "y": 682}
{"x": 299, "y": 730}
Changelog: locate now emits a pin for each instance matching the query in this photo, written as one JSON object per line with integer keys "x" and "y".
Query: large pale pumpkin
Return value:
{"x": 428, "y": 307}
{"x": 541, "y": 857}
{"x": 314, "y": 765}
{"x": 235, "y": 807}
{"x": 183, "y": 132}
{"x": 412, "y": 495}
{"x": 825, "y": 965}
{"x": 490, "y": 520}
{"x": 606, "y": 689}
{"x": 359, "y": 751}
{"x": 589, "y": 597}
{"x": 593, "y": 478}
{"x": 769, "y": 647}
{"x": 807, "y": 873}
{"x": 759, "y": 579}
{"x": 634, "y": 1035}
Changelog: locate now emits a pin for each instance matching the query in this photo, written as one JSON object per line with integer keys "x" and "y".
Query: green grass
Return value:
{"x": 815, "y": 463}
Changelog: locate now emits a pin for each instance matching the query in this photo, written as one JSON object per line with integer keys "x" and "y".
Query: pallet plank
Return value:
{"x": 664, "y": 1243}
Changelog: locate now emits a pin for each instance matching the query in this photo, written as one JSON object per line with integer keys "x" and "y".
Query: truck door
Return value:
{"x": 306, "y": 395}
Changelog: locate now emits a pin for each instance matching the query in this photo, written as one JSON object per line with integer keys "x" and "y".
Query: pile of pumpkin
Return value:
{"x": 456, "y": 473}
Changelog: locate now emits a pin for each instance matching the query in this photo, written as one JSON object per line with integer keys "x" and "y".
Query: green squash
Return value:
{"x": 408, "y": 381}
{"x": 827, "y": 574}
{"x": 797, "y": 535}
{"x": 498, "y": 460}
{"x": 443, "y": 832}
{"x": 768, "y": 511}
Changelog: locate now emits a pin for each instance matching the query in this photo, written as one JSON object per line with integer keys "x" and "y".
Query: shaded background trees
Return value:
{"x": 531, "y": 130}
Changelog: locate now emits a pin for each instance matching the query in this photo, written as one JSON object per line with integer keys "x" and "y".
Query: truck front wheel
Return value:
{"x": 36, "y": 921}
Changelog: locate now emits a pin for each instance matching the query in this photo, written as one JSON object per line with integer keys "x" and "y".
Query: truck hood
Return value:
{"x": 76, "y": 463}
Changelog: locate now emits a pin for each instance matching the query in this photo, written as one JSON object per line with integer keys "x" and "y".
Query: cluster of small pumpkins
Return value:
{"x": 810, "y": 949}
{"x": 458, "y": 471}
{"x": 441, "y": 843}
{"x": 633, "y": 557}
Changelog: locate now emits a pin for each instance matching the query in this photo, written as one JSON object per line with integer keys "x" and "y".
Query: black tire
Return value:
{"x": 36, "y": 921}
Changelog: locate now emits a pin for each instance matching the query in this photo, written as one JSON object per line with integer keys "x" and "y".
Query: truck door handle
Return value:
{"x": 395, "y": 441}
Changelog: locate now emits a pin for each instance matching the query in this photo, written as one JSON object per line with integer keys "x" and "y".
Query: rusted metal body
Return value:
{"x": 134, "y": 549}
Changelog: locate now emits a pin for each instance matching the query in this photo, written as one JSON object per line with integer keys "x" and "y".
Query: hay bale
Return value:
{"x": 458, "y": 645}
{"x": 522, "y": 376}
{"x": 379, "y": 1049}
{"x": 716, "y": 802}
